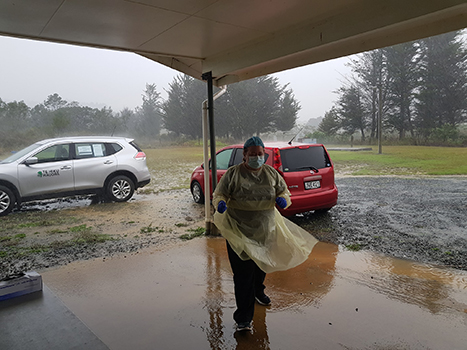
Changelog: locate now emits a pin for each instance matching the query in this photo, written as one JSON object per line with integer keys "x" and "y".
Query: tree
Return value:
{"x": 149, "y": 114}
{"x": 330, "y": 123}
{"x": 287, "y": 114}
{"x": 250, "y": 107}
{"x": 371, "y": 76}
{"x": 256, "y": 106}
{"x": 15, "y": 122}
{"x": 442, "y": 98}
{"x": 60, "y": 121}
{"x": 15, "y": 116}
{"x": 402, "y": 62}
{"x": 103, "y": 120}
{"x": 350, "y": 110}
{"x": 54, "y": 102}
{"x": 127, "y": 122}
{"x": 181, "y": 112}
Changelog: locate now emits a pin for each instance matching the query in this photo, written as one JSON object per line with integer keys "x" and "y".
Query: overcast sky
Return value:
{"x": 32, "y": 70}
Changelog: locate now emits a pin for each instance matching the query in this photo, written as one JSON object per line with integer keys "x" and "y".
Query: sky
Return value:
{"x": 31, "y": 70}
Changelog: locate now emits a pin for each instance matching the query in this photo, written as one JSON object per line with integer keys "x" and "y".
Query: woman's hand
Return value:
{"x": 222, "y": 206}
{"x": 281, "y": 202}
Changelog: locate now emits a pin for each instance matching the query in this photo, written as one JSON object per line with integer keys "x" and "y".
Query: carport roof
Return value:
{"x": 234, "y": 39}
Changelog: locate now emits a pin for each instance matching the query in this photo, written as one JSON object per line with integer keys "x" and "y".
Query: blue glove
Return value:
{"x": 221, "y": 207}
{"x": 281, "y": 202}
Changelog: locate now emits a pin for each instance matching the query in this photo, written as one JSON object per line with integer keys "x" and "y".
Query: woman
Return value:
{"x": 259, "y": 241}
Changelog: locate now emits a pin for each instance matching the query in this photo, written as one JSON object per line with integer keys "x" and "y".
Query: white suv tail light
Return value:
{"x": 140, "y": 156}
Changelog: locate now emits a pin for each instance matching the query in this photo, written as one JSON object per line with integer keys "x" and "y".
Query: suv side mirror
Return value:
{"x": 31, "y": 160}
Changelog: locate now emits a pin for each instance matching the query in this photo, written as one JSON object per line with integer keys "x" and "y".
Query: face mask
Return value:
{"x": 255, "y": 162}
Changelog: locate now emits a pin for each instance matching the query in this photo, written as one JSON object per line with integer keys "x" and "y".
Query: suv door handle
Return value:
{"x": 108, "y": 162}
{"x": 65, "y": 167}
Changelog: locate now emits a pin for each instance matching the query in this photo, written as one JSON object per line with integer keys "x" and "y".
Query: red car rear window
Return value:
{"x": 300, "y": 159}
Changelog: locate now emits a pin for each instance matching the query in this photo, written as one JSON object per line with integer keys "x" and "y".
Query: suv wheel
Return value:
{"x": 120, "y": 189}
{"x": 7, "y": 200}
{"x": 197, "y": 193}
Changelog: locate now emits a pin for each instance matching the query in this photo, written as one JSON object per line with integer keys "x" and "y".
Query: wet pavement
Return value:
{"x": 182, "y": 298}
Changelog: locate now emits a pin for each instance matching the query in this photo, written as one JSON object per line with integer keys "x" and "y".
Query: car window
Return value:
{"x": 238, "y": 157}
{"x": 223, "y": 159}
{"x": 133, "y": 143}
{"x": 303, "y": 158}
{"x": 53, "y": 153}
{"x": 89, "y": 150}
{"x": 112, "y": 148}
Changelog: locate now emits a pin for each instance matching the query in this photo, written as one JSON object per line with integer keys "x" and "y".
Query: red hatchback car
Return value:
{"x": 306, "y": 168}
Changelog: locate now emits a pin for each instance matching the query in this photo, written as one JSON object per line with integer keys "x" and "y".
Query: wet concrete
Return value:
{"x": 182, "y": 298}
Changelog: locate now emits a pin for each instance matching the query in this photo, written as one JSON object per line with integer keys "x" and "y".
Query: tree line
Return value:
{"x": 419, "y": 88}
{"x": 251, "y": 107}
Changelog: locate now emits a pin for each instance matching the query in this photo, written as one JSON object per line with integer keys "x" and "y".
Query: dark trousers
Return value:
{"x": 248, "y": 283}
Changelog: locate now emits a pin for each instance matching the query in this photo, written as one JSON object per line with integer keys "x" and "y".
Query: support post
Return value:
{"x": 380, "y": 117}
{"x": 212, "y": 135}
{"x": 208, "y": 127}
{"x": 207, "y": 185}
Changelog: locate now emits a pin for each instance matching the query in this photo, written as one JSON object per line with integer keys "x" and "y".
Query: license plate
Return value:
{"x": 309, "y": 185}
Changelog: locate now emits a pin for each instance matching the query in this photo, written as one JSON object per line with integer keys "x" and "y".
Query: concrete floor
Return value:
{"x": 41, "y": 321}
{"x": 182, "y": 298}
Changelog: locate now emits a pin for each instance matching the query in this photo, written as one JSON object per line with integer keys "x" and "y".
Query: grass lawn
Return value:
{"x": 164, "y": 157}
{"x": 403, "y": 160}
{"x": 171, "y": 167}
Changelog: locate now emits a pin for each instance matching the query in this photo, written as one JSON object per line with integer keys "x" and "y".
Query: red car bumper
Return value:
{"x": 313, "y": 201}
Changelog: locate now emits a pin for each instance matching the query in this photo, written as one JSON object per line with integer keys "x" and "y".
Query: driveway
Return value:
{"x": 421, "y": 219}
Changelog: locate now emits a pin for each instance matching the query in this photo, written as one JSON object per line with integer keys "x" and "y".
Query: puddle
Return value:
{"x": 68, "y": 202}
{"x": 182, "y": 298}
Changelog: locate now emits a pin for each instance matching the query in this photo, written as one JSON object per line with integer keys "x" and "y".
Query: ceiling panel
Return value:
{"x": 183, "y": 6}
{"x": 198, "y": 37}
{"x": 114, "y": 23}
{"x": 27, "y": 17}
{"x": 270, "y": 16}
{"x": 234, "y": 39}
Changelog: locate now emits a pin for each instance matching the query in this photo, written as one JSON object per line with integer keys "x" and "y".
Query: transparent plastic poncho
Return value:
{"x": 253, "y": 226}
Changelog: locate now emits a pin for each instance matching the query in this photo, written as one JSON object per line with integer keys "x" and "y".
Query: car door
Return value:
{"x": 52, "y": 173}
{"x": 222, "y": 163}
{"x": 91, "y": 165}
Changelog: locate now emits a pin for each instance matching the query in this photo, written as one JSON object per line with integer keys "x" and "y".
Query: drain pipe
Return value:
{"x": 207, "y": 184}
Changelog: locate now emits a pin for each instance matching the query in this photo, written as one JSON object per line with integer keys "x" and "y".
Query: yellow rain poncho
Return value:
{"x": 253, "y": 226}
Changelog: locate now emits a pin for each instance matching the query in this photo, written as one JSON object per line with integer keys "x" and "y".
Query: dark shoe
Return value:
{"x": 263, "y": 300}
{"x": 244, "y": 326}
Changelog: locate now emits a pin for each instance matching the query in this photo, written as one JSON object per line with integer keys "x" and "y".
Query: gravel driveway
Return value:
{"x": 422, "y": 219}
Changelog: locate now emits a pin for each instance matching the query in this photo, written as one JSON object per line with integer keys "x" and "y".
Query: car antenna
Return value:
{"x": 290, "y": 142}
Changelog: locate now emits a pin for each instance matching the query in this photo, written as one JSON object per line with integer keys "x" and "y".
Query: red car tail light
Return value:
{"x": 277, "y": 163}
{"x": 140, "y": 155}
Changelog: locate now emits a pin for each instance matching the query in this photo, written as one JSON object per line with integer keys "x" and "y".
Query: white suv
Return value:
{"x": 53, "y": 168}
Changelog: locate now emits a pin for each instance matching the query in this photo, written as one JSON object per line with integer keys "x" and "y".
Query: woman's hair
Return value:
{"x": 253, "y": 141}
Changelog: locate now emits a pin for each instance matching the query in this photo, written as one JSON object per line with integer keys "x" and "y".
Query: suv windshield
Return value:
{"x": 305, "y": 158}
{"x": 21, "y": 153}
